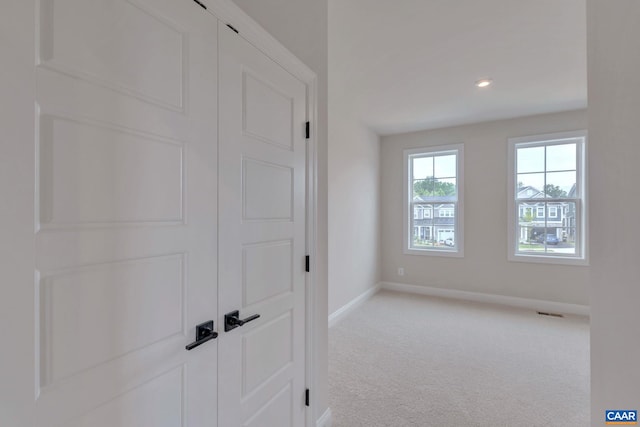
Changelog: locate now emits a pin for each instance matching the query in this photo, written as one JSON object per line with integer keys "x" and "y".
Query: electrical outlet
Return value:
{"x": 400, "y": 271}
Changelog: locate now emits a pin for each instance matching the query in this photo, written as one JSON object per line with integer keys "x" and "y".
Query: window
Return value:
{"x": 446, "y": 212}
{"x": 547, "y": 173}
{"x": 433, "y": 201}
{"x": 421, "y": 211}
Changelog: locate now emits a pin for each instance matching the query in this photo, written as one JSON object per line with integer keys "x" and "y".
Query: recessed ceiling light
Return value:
{"x": 484, "y": 82}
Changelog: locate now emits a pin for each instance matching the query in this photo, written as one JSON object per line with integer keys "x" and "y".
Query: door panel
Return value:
{"x": 105, "y": 47}
{"x": 126, "y": 213}
{"x": 262, "y": 238}
{"x": 93, "y": 173}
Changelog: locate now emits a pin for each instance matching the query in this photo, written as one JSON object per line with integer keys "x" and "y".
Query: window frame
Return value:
{"x": 407, "y": 223}
{"x": 581, "y": 257}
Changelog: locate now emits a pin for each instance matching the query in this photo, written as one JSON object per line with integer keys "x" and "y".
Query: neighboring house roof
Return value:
{"x": 529, "y": 192}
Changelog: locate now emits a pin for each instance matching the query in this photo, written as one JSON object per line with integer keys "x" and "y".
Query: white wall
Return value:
{"x": 354, "y": 177}
{"x": 484, "y": 268}
{"x": 613, "y": 42}
{"x": 354, "y": 174}
{"x": 354, "y": 205}
{"x": 301, "y": 26}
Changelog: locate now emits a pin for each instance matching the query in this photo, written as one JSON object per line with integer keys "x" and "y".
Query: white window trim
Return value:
{"x": 513, "y": 238}
{"x": 458, "y": 250}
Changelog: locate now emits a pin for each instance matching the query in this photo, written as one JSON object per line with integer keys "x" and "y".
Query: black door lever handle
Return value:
{"x": 204, "y": 333}
{"x": 232, "y": 320}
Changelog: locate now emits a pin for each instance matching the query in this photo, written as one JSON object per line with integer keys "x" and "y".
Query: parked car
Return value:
{"x": 449, "y": 242}
{"x": 551, "y": 239}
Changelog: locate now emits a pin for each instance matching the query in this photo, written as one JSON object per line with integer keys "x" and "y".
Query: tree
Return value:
{"x": 433, "y": 187}
{"x": 554, "y": 191}
{"x": 528, "y": 217}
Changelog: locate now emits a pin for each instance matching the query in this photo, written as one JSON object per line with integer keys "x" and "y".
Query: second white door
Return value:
{"x": 262, "y": 153}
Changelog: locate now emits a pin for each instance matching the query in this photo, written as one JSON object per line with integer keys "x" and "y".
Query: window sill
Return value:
{"x": 544, "y": 259}
{"x": 435, "y": 252}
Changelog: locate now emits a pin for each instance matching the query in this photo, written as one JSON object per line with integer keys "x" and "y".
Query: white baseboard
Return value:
{"x": 325, "y": 419}
{"x": 534, "y": 304}
{"x": 337, "y": 315}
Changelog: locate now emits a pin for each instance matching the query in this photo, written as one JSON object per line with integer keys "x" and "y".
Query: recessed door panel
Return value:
{"x": 139, "y": 407}
{"x": 277, "y": 412}
{"x": 266, "y": 350}
{"x": 268, "y": 191}
{"x": 94, "y": 314}
{"x": 123, "y": 45}
{"x": 268, "y": 114}
{"x": 93, "y": 173}
{"x": 267, "y": 271}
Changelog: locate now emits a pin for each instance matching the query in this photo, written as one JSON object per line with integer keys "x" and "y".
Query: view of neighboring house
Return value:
{"x": 433, "y": 223}
{"x": 546, "y": 216}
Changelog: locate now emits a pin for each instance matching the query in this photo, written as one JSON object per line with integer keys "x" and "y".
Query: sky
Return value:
{"x": 560, "y": 166}
{"x": 445, "y": 166}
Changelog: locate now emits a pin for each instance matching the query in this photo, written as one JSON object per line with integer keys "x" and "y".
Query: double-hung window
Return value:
{"x": 547, "y": 198}
{"x": 433, "y": 194}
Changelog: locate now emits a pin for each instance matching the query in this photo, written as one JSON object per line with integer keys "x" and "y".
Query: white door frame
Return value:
{"x": 228, "y": 13}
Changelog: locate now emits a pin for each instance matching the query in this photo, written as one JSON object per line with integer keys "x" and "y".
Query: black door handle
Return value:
{"x": 232, "y": 320}
{"x": 204, "y": 333}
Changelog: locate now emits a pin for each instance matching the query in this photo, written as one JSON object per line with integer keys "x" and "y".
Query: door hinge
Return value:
{"x": 306, "y": 397}
{"x": 307, "y": 131}
{"x": 232, "y": 27}
{"x": 200, "y": 4}
{"x": 307, "y": 262}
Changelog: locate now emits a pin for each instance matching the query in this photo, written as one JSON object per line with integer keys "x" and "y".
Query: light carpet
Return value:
{"x": 406, "y": 360}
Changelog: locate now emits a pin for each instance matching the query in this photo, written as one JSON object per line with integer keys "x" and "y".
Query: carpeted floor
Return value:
{"x": 405, "y": 360}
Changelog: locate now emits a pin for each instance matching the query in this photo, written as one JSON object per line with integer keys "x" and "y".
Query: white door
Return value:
{"x": 125, "y": 236}
{"x": 262, "y": 238}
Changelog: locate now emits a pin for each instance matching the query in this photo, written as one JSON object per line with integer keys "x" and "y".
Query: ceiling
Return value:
{"x": 407, "y": 65}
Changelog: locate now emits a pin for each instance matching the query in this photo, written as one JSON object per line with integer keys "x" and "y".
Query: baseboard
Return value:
{"x": 337, "y": 315}
{"x": 534, "y": 304}
{"x": 325, "y": 419}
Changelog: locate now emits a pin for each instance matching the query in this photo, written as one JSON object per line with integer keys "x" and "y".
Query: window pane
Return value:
{"x": 559, "y": 184}
{"x": 445, "y": 166}
{"x": 422, "y": 226}
{"x": 422, "y": 167}
{"x": 530, "y": 159}
{"x": 561, "y": 157}
{"x": 530, "y": 186}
